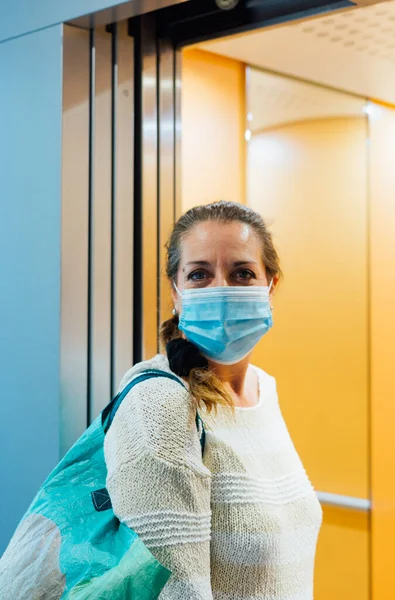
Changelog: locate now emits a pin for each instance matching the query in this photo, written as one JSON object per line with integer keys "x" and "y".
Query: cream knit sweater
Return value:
{"x": 240, "y": 525}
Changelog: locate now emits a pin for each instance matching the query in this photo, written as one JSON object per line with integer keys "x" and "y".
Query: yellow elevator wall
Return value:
{"x": 342, "y": 568}
{"x": 213, "y": 125}
{"x": 309, "y": 181}
{"x": 382, "y": 299}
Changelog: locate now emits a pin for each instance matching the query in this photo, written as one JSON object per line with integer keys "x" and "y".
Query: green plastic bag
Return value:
{"x": 69, "y": 544}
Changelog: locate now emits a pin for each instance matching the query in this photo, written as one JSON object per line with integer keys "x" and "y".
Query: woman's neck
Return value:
{"x": 233, "y": 375}
{"x": 242, "y": 384}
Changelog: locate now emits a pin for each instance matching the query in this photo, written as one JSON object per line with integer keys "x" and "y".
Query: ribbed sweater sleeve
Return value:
{"x": 159, "y": 486}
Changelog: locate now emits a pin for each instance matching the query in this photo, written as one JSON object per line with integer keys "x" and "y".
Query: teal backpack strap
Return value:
{"x": 108, "y": 414}
{"x": 201, "y": 431}
{"x": 110, "y": 411}
{"x": 101, "y": 498}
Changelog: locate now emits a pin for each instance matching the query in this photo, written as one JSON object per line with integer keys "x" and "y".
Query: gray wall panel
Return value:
{"x": 30, "y": 230}
{"x": 75, "y": 228}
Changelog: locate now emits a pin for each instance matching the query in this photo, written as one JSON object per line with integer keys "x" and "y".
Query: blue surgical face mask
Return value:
{"x": 225, "y": 323}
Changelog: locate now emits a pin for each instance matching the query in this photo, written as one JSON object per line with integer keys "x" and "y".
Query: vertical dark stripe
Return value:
{"x": 92, "y": 69}
{"x": 114, "y": 94}
{"x": 158, "y": 194}
{"x": 135, "y": 31}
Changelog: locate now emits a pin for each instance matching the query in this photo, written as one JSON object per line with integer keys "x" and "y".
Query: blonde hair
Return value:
{"x": 204, "y": 385}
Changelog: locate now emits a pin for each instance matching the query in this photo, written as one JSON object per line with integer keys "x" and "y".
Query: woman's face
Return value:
{"x": 220, "y": 254}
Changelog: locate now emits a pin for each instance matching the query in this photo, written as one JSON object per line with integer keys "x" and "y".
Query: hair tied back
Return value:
{"x": 184, "y": 356}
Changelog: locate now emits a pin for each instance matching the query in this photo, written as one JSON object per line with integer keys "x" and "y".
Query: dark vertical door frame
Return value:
{"x": 135, "y": 27}
{"x": 157, "y": 81}
{"x": 146, "y": 199}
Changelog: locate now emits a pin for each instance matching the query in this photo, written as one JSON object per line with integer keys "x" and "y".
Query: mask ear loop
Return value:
{"x": 176, "y": 288}
{"x": 174, "y": 311}
{"x": 270, "y": 287}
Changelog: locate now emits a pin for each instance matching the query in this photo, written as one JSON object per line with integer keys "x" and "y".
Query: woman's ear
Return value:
{"x": 273, "y": 289}
{"x": 176, "y": 298}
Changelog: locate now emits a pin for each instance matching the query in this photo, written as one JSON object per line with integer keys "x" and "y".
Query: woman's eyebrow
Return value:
{"x": 203, "y": 263}
{"x": 206, "y": 263}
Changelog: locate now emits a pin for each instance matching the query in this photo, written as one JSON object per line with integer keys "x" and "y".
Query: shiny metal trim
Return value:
{"x": 146, "y": 190}
{"x": 100, "y": 229}
{"x": 123, "y": 210}
{"x": 177, "y": 135}
{"x": 149, "y": 188}
{"x": 75, "y": 226}
{"x": 166, "y": 167}
{"x": 344, "y": 501}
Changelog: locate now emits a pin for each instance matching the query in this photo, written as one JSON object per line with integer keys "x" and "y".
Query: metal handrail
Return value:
{"x": 344, "y": 501}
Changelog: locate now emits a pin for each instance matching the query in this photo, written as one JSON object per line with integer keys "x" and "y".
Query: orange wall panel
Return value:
{"x": 382, "y": 302}
{"x": 309, "y": 181}
{"x": 213, "y": 127}
{"x": 342, "y": 561}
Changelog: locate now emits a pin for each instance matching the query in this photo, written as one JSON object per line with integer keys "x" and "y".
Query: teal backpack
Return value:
{"x": 69, "y": 544}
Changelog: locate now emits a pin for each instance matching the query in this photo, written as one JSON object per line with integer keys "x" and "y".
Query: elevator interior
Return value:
{"x": 319, "y": 130}
{"x": 301, "y": 130}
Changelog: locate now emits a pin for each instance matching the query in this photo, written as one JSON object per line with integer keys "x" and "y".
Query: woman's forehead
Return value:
{"x": 209, "y": 231}
{"x": 214, "y": 237}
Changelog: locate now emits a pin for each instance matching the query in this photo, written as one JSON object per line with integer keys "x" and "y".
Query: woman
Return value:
{"x": 240, "y": 520}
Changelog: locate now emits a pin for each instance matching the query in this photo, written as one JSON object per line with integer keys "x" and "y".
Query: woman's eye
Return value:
{"x": 200, "y": 276}
{"x": 245, "y": 274}
{"x": 197, "y": 276}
